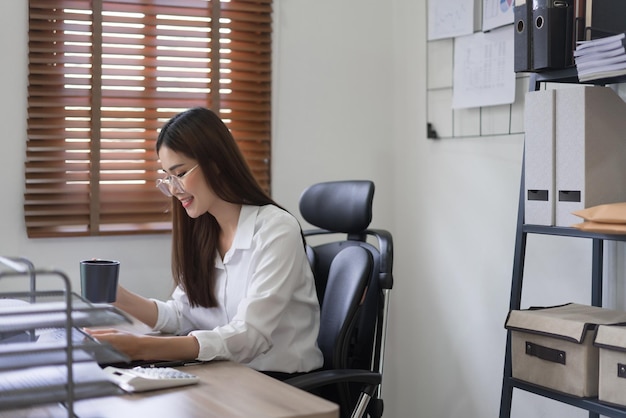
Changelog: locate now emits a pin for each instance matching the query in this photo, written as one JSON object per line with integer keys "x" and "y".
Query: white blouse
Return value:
{"x": 268, "y": 313}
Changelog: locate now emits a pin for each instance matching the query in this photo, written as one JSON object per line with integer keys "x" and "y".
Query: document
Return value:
{"x": 450, "y": 18}
{"x": 497, "y": 13}
{"x": 483, "y": 69}
{"x": 600, "y": 58}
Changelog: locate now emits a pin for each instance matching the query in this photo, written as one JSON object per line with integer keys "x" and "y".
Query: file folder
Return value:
{"x": 552, "y": 34}
{"x": 522, "y": 42}
{"x": 539, "y": 157}
{"x": 590, "y": 150}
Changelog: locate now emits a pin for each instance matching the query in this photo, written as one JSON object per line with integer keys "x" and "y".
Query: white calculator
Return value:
{"x": 141, "y": 379}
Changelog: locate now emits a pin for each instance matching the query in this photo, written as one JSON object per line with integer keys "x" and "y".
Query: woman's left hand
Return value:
{"x": 149, "y": 347}
{"x": 124, "y": 342}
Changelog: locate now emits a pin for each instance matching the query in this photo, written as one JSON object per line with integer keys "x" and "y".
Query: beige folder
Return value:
{"x": 590, "y": 150}
{"x": 539, "y": 158}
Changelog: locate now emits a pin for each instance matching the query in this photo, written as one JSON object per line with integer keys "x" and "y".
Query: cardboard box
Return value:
{"x": 611, "y": 340}
{"x": 553, "y": 347}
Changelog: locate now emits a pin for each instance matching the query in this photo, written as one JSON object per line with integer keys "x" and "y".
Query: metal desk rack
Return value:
{"x": 34, "y": 372}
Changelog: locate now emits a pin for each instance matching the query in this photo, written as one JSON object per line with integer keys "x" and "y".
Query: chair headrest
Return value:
{"x": 340, "y": 206}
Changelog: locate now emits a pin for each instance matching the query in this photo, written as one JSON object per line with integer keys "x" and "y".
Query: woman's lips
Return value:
{"x": 186, "y": 202}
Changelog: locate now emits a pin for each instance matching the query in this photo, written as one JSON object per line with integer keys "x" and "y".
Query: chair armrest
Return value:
{"x": 320, "y": 378}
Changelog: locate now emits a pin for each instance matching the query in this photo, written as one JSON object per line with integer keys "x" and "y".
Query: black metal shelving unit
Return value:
{"x": 595, "y": 408}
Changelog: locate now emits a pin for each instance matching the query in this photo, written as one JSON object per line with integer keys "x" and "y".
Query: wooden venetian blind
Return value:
{"x": 105, "y": 75}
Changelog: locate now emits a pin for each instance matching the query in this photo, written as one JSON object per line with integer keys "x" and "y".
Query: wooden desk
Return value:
{"x": 226, "y": 389}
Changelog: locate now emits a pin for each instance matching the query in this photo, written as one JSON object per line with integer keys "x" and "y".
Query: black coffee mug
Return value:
{"x": 98, "y": 280}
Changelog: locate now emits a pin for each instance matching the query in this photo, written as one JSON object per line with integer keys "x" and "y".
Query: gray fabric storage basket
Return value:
{"x": 611, "y": 340}
{"x": 553, "y": 347}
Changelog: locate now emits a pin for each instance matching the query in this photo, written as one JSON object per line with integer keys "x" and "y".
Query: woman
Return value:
{"x": 244, "y": 288}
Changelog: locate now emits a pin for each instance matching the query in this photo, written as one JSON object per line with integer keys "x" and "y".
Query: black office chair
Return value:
{"x": 353, "y": 353}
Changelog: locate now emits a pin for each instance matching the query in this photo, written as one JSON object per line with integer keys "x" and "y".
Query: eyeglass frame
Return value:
{"x": 165, "y": 184}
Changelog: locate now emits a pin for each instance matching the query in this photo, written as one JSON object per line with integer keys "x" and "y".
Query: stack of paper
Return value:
{"x": 601, "y": 58}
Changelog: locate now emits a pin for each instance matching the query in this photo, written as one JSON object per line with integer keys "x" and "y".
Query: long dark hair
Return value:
{"x": 200, "y": 134}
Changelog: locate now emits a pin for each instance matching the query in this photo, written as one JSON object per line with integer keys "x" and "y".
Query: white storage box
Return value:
{"x": 611, "y": 340}
{"x": 553, "y": 347}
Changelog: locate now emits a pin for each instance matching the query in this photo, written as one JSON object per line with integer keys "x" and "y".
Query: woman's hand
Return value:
{"x": 149, "y": 347}
{"x": 124, "y": 342}
{"x": 141, "y": 308}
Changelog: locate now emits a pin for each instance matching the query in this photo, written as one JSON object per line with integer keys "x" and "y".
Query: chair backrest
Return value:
{"x": 345, "y": 208}
{"x": 348, "y": 276}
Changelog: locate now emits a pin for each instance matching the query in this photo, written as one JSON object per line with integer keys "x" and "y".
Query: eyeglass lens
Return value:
{"x": 165, "y": 184}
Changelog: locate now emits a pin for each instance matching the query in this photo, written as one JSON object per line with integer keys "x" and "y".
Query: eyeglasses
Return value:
{"x": 176, "y": 181}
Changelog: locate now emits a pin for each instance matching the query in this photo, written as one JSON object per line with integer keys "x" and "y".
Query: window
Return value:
{"x": 105, "y": 75}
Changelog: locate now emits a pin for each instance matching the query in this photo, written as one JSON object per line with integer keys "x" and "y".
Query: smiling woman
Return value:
{"x": 104, "y": 76}
{"x": 244, "y": 285}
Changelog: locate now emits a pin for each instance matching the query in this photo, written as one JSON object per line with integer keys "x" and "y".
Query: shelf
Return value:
{"x": 570, "y": 232}
{"x": 568, "y": 75}
{"x": 590, "y": 404}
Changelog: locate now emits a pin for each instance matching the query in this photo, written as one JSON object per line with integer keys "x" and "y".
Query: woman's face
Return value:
{"x": 197, "y": 197}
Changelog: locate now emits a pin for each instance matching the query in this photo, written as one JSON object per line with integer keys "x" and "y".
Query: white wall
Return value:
{"x": 350, "y": 102}
{"x": 332, "y": 98}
